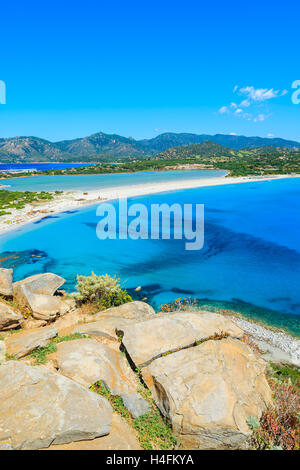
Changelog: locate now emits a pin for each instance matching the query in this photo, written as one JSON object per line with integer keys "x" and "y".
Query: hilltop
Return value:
{"x": 107, "y": 147}
{"x": 206, "y": 149}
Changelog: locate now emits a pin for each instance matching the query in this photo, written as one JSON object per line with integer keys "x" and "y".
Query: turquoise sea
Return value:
{"x": 250, "y": 261}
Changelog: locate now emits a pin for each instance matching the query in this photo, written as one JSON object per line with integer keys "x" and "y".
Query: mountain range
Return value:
{"x": 106, "y": 147}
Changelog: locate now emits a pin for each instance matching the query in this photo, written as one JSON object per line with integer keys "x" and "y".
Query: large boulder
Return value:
{"x": 133, "y": 310}
{"x": 6, "y": 284}
{"x": 150, "y": 339}
{"x": 8, "y": 317}
{"x": 39, "y": 407}
{"x": 87, "y": 361}
{"x": 121, "y": 437}
{"x": 209, "y": 391}
{"x": 43, "y": 306}
{"x": 20, "y": 344}
{"x": 45, "y": 283}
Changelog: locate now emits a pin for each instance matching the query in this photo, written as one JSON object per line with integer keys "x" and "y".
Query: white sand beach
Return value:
{"x": 71, "y": 200}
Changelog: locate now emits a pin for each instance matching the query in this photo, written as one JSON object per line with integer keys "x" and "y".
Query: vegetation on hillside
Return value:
{"x": 33, "y": 149}
{"x": 153, "y": 430}
{"x": 207, "y": 155}
{"x": 259, "y": 161}
{"x": 279, "y": 426}
{"x": 18, "y": 200}
{"x": 40, "y": 354}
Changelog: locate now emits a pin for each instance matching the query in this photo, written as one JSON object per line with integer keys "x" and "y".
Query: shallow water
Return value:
{"x": 89, "y": 182}
{"x": 250, "y": 261}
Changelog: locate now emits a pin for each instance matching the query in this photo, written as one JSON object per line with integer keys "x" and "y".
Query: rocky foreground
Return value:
{"x": 201, "y": 375}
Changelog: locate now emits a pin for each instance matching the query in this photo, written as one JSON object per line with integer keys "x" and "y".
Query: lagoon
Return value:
{"x": 91, "y": 182}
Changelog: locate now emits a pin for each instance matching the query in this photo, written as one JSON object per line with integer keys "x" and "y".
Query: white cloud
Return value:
{"x": 223, "y": 110}
{"x": 255, "y": 99}
{"x": 245, "y": 103}
{"x": 239, "y": 112}
{"x": 261, "y": 94}
{"x": 261, "y": 117}
{"x": 270, "y": 135}
{"x": 232, "y": 133}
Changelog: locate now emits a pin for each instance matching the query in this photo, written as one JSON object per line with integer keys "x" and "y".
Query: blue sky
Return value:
{"x": 142, "y": 68}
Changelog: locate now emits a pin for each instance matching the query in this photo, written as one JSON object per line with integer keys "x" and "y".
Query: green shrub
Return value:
{"x": 103, "y": 290}
{"x": 153, "y": 430}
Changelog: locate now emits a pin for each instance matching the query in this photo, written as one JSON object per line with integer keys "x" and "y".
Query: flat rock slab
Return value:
{"x": 6, "y": 284}
{"x": 39, "y": 407}
{"x": 134, "y": 310}
{"x": 45, "y": 283}
{"x": 67, "y": 323}
{"x": 209, "y": 391}
{"x": 20, "y": 344}
{"x": 150, "y": 339}
{"x": 121, "y": 437}
{"x": 8, "y": 317}
{"x": 105, "y": 326}
{"x": 87, "y": 361}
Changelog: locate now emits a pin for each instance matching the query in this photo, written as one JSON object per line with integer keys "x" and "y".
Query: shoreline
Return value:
{"x": 276, "y": 346}
{"x": 76, "y": 199}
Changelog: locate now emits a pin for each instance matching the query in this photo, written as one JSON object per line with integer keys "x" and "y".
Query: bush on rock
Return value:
{"x": 102, "y": 290}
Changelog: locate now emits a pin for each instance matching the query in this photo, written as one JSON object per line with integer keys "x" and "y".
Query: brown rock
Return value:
{"x": 20, "y": 344}
{"x": 121, "y": 437}
{"x": 8, "y": 317}
{"x": 66, "y": 306}
{"x": 2, "y": 351}
{"x": 105, "y": 326}
{"x": 66, "y": 324}
{"x": 6, "y": 285}
{"x": 86, "y": 361}
{"x": 39, "y": 407}
{"x": 134, "y": 310}
{"x": 42, "y": 306}
{"x": 31, "y": 323}
{"x": 149, "y": 339}
{"x": 46, "y": 284}
{"x": 209, "y": 391}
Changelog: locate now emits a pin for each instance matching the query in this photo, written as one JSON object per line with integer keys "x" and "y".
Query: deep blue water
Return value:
{"x": 250, "y": 261}
{"x": 40, "y": 166}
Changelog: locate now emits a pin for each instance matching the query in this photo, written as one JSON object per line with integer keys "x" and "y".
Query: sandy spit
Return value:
{"x": 71, "y": 200}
